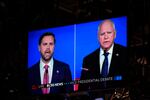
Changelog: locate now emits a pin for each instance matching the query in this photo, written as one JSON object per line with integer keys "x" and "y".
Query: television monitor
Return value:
{"x": 73, "y": 43}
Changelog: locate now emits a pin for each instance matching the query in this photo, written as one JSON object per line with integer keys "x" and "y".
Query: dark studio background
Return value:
{"x": 20, "y": 16}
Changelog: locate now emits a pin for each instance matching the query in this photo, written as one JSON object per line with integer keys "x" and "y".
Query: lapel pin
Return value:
{"x": 117, "y": 54}
{"x": 57, "y": 71}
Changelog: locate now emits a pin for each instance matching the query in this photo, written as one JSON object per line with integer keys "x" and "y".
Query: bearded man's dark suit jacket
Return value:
{"x": 61, "y": 73}
{"x": 91, "y": 69}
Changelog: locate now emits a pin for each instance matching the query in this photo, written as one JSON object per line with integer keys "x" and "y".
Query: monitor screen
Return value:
{"x": 74, "y": 43}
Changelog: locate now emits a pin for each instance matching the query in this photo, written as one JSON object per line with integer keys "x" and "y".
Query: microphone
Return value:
{"x": 85, "y": 69}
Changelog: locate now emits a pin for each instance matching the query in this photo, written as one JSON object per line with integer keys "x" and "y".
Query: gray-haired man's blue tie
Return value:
{"x": 105, "y": 65}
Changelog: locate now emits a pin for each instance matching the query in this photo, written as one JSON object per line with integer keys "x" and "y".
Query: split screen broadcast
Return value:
{"x": 75, "y": 59}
